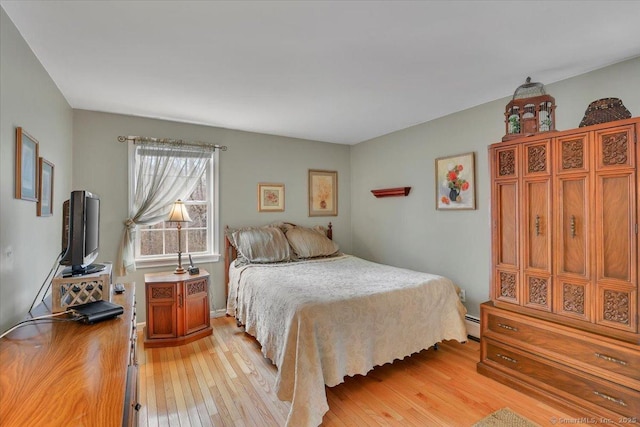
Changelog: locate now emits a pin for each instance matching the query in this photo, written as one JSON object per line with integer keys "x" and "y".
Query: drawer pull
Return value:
{"x": 507, "y": 358}
{"x": 610, "y": 398}
{"x": 537, "y": 225}
{"x": 510, "y": 328}
{"x": 611, "y": 359}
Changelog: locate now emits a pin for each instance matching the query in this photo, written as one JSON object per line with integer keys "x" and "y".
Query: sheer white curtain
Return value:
{"x": 164, "y": 173}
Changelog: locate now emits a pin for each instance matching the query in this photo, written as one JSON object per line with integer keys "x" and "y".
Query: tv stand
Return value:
{"x": 75, "y": 290}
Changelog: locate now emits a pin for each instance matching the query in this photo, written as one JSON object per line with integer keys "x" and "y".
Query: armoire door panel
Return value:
{"x": 537, "y": 292}
{"x": 506, "y": 162}
{"x": 573, "y": 298}
{"x": 615, "y": 148}
{"x": 615, "y": 223}
{"x": 572, "y": 154}
{"x": 617, "y": 307}
{"x": 507, "y": 286}
{"x": 538, "y": 225}
{"x": 573, "y": 227}
{"x": 507, "y": 212}
{"x": 537, "y": 157}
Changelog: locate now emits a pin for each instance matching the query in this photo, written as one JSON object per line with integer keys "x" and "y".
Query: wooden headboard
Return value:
{"x": 230, "y": 253}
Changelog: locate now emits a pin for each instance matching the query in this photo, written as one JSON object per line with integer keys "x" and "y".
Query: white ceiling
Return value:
{"x": 335, "y": 71}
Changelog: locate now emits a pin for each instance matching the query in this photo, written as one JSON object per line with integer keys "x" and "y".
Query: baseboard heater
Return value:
{"x": 473, "y": 327}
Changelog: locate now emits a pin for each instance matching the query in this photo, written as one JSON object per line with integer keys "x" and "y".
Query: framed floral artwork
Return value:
{"x": 455, "y": 182}
{"x": 26, "y": 166}
{"x": 323, "y": 193}
{"x": 270, "y": 197}
{"x": 45, "y": 193}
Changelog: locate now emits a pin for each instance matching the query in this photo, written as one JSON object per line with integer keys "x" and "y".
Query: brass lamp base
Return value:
{"x": 179, "y": 269}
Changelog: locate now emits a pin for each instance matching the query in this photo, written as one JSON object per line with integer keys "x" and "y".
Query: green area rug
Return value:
{"x": 505, "y": 417}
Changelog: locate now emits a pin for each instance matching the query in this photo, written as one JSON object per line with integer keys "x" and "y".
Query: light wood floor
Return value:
{"x": 224, "y": 380}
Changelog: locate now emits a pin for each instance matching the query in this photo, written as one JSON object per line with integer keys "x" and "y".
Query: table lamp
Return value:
{"x": 179, "y": 215}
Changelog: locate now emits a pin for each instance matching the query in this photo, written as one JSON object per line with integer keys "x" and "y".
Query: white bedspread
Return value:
{"x": 322, "y": 320}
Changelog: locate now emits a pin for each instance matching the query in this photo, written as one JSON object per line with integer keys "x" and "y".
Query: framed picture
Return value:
{"x": 26, "y": 166}
{"x": 456, "y": 182}
{"x": 45, "y": 193}
{"x": 270, "y": 197}
{"x": 323, "y": 193}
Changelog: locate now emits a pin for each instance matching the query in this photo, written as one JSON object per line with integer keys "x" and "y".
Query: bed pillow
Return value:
{"x": 310, "y": 243}
{"x": 261, "y": 245}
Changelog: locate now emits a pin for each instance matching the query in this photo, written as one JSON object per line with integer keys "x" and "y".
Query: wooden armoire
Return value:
{"x": 562, "y": 323}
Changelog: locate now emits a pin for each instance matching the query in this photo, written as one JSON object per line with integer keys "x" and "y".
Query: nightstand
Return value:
{"x": 177, "y": 308}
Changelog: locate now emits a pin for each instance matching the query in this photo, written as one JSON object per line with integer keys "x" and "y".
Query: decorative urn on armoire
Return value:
{"x": 531, "y": 111}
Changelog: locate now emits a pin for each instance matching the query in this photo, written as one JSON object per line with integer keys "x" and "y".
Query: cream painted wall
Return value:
{"x": 100, "y": 166}
{"x": 29, "y": 244}
{"x": 409, "y": 231}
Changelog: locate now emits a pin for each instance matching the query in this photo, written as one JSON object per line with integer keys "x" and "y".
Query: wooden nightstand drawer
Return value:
{"x": 572, "y": 385}
{"x": 589, "y": 351}
{"x": 161, "y": 292}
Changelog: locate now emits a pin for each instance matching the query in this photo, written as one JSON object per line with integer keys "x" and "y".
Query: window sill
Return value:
{"x": 171, "y": 262}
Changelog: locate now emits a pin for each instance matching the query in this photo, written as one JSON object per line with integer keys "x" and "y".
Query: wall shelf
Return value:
{"x": 391, "y": 192}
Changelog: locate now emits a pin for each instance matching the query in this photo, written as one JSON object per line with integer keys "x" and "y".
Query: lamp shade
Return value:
{"x": 179, "y": 212}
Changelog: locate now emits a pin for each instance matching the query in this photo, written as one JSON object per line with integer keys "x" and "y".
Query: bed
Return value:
{"x": 321, "y": 315}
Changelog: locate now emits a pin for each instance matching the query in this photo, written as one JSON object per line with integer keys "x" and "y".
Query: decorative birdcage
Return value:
{"x": 530, "y": 111}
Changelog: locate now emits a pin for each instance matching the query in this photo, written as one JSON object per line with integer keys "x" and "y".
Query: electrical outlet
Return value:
{"x": 463, "y": 295}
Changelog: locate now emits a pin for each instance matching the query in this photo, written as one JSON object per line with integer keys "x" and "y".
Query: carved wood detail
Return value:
{"x": 616, "y": 307}
{"x": 196, "y": 287}
{"x": 615, "y": 149}
{"x": 507, "y": 163}
{"x": 508, "y": 285}
{"x": 537, "y": 157}
{"x": 538, "y": 291}
{"x": 573, "y": 298}
{"x": 573, "y": 154}
{"x": 162, "y": 292}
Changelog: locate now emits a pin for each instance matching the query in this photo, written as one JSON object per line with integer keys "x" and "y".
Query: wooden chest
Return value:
{"x": 597, "y": 376}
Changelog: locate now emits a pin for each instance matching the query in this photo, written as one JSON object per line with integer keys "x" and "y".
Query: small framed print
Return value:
{"x": 270, "y": 197}
{"x": 26, "y": 166}
{"x": 45, "y": 193}
{"x": 323, "y": 193}
{"x": 455, "y": 182}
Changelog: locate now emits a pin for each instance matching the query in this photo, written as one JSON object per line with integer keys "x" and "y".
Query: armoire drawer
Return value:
{"x": 576, "y": 385}
{"x": 583, "y": 349}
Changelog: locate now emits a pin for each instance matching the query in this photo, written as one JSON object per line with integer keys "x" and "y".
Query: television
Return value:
{"x": 81, "y": 234}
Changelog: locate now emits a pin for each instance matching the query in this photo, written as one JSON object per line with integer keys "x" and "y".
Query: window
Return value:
{"x": 157, "y": 244}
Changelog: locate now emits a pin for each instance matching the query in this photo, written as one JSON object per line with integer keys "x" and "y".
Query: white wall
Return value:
{"x": 409, "y": 231}
{"x": 100, "y": 166}
{"x": 29, "y": 244}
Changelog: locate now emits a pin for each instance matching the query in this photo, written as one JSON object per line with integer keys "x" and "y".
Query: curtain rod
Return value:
{"x": 143, "y": 139}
